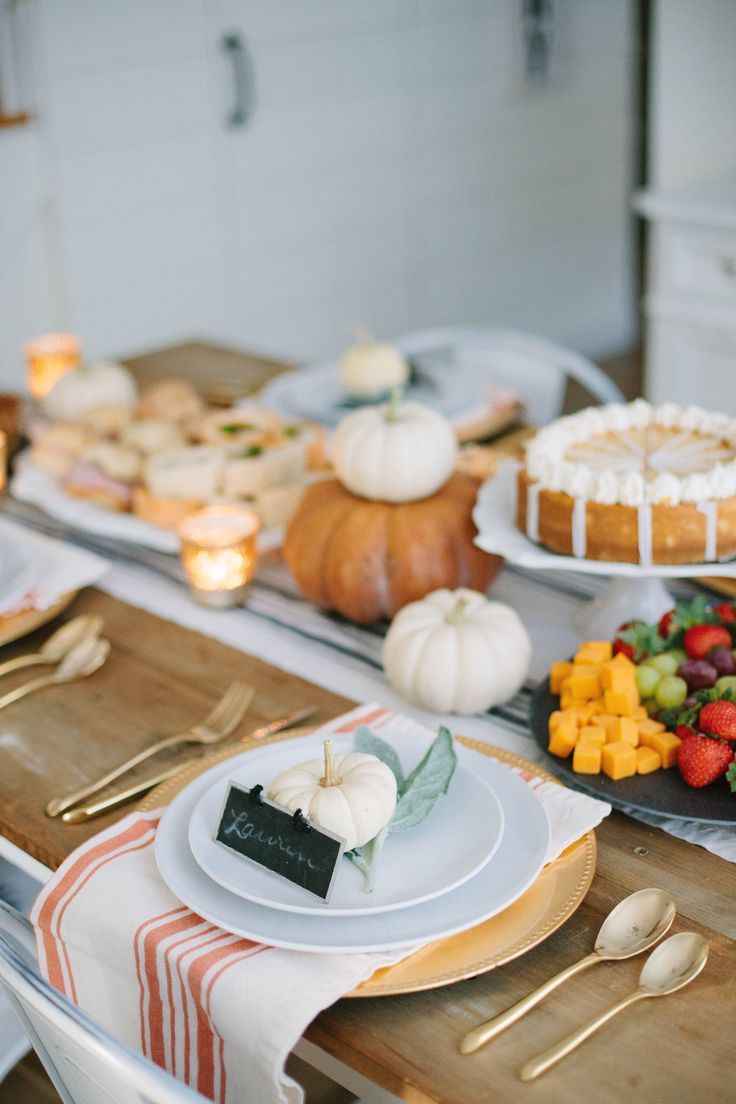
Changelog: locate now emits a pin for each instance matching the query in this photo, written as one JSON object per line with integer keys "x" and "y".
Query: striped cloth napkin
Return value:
{"x": 217, "y": 1011}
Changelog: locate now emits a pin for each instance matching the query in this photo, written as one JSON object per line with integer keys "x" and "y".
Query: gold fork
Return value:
{"x": 218, "y": 724}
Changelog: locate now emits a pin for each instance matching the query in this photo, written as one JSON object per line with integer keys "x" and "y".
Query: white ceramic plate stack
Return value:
{"x": 480, "y": 848}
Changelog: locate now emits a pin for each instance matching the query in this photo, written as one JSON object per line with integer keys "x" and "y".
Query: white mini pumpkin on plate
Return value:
{"x": 396, "y": 452}
{"x": 456, "y": 652}
{"x": 352, "y": 795}
{"x": 370, "y": 368}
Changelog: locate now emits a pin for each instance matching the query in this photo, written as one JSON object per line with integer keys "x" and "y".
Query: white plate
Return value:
{"x": 17, "y": 575}
{"x": 495, "y": 519}
{"x": 30, "y": 484}
{"x": 461, "y": 834}
{"x": 460, "y": 391}
{"x": 510, "y": 872}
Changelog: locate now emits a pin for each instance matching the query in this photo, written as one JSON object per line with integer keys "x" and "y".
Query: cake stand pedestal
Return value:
{"x": 635, "y": 591}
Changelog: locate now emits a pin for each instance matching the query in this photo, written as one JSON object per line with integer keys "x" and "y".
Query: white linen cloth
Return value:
{"x": 56, "y": 568}
{"x": 220, "y": 1012}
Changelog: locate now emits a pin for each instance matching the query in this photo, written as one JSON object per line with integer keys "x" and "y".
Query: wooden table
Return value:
{"x": 674, "y": 1051}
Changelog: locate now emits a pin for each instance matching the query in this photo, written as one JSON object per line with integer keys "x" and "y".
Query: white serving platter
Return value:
{"x": 513, "y": 868}
{"x": 461, "y": 834}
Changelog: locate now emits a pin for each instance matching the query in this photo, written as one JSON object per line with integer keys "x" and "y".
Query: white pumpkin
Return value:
{"x": 396, "y": 452}
{"x": 456, "y": 652}
{"x": 100, "y": 384}
{"x": 352, "y": 795}
{"x": 370, "y": 369}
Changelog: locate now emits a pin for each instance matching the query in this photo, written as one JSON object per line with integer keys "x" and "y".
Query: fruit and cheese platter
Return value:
{"x": 648, "y": 719}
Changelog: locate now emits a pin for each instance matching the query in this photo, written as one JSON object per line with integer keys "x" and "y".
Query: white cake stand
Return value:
{"x": 634, "y": 592}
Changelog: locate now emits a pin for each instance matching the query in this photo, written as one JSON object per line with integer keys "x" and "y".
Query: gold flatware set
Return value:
{"x": 77, "y": 650}
{"x": 635, "y": 925}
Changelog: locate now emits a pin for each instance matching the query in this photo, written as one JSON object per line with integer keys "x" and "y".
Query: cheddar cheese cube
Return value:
{"x": 647, "y": 729}
{"x": 647, "y": 760}
{"x": 620, "y": 662}
{"x": 640, "y": 713}
{"x": 604, "y": 721}
{"x": 621, "y": 680}
{"x": 584, "y": 682}
{"x": 586, "y": 758}
{"x": 555, "y": 719}
{"x": 595, "y": 651}
{"x": 622, "y": 728}
{"x": 591, "y": 734}
{"x": 618, "y": 760}
{"x": 558, "y": 672}
{"x": 569, "y": 701}
{"x": 563, "y": 740}
{"x": 666, "y": 744}
{"x": 622, "y": 703}
{"x": 596, "y": 707}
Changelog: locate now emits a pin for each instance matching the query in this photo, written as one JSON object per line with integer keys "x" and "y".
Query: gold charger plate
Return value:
{"x": 13, "y": 628}
{"x": 551, "y": 900}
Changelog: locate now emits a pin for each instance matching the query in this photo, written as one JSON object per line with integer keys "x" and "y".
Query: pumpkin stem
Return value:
{"x": 457, "y": 613}
{"x": 329, "y": 778}
{"x": 392, "y": 409}
{"x": 362, "y": 334}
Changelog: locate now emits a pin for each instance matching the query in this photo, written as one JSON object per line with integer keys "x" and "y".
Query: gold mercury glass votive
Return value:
{"x": 48, "y": 358}
{"x": 219, "y": 553}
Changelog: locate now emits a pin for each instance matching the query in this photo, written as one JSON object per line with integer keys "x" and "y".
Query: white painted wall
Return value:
{"x": 399, "y": 169}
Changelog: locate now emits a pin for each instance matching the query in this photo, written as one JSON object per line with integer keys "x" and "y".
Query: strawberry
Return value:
{"x": 718, "y": 718}
{"x": 725, "y": 611}
{"x": 701, "y": 639}
{"x": 667, "y": 624}
{"x": 703, "y": 759}
{"x": 638, "y": 640}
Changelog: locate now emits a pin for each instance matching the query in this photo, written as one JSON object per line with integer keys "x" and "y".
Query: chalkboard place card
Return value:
{"x": 258, "y": 829}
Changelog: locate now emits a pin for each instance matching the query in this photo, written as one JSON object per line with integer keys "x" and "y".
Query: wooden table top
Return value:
{"x": 672, "y": 1051}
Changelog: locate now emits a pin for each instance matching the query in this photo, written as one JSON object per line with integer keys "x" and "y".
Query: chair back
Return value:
{"x": 86, "y": 1065}
{"x": 536, "y": 369}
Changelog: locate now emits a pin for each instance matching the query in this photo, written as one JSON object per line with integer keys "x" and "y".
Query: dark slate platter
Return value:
{"x": 662, "y": 792}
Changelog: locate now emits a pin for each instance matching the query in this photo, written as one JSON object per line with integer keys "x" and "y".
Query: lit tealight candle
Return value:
{"x": 219, "y": 554}
{"x": 50, "y": 357}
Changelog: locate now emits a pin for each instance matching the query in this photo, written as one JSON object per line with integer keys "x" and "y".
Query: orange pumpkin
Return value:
{"x": 367, "y": 559}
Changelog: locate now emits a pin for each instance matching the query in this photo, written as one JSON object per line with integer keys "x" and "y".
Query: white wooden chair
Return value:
{"x": 535, "y": 368}
{"x": 86, "y": 1065}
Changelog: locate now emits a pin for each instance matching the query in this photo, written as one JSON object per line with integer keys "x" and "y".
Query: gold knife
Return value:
{"x": 97, "y": 808}
{"x": 288, "y": 721}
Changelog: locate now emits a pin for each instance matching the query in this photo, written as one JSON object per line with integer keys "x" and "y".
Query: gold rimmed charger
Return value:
{"x": 20, "y": 624}
{"x": 551, "y": 900}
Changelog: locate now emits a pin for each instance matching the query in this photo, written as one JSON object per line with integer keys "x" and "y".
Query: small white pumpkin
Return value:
{"x": 456, "y": 652}
{"x": 396, "y": 452}
{"x": 352, "y": 795}
{"x": 369, "y": 369}
{"x": 100, "y": 384}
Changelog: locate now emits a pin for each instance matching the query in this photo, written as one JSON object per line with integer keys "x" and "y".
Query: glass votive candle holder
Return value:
{"x": 11, "y": 413}
{"x": 219, "y": 553}
{"x": 48, "y": 358}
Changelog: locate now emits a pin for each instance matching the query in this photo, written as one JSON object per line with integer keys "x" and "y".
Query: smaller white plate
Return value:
{"x": 460, "y": 835}
{"x": 17, "y": 575}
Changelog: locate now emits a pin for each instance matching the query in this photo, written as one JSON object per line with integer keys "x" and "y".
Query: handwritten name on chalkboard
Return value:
{"x": 257, "y": 829}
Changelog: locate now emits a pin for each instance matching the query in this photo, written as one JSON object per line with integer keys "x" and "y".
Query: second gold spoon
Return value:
{"x": 635, "y": 925}
{"x": 59, "y": 644}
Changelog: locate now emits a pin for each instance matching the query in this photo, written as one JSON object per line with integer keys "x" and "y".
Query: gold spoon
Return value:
{"x": 633, "y": 926}
{"x": 671, "y": 966}
{"x": 84, "y": 627}
{"x": 86, "y": 658}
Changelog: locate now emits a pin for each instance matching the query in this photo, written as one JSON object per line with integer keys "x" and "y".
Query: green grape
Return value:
{"x": 648, "y": 679}
{"x": 679, "y": 654}
{"x": 666, "y": 663}
{"x": 727, "y": 682}
{"x": 671, "y": 692}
